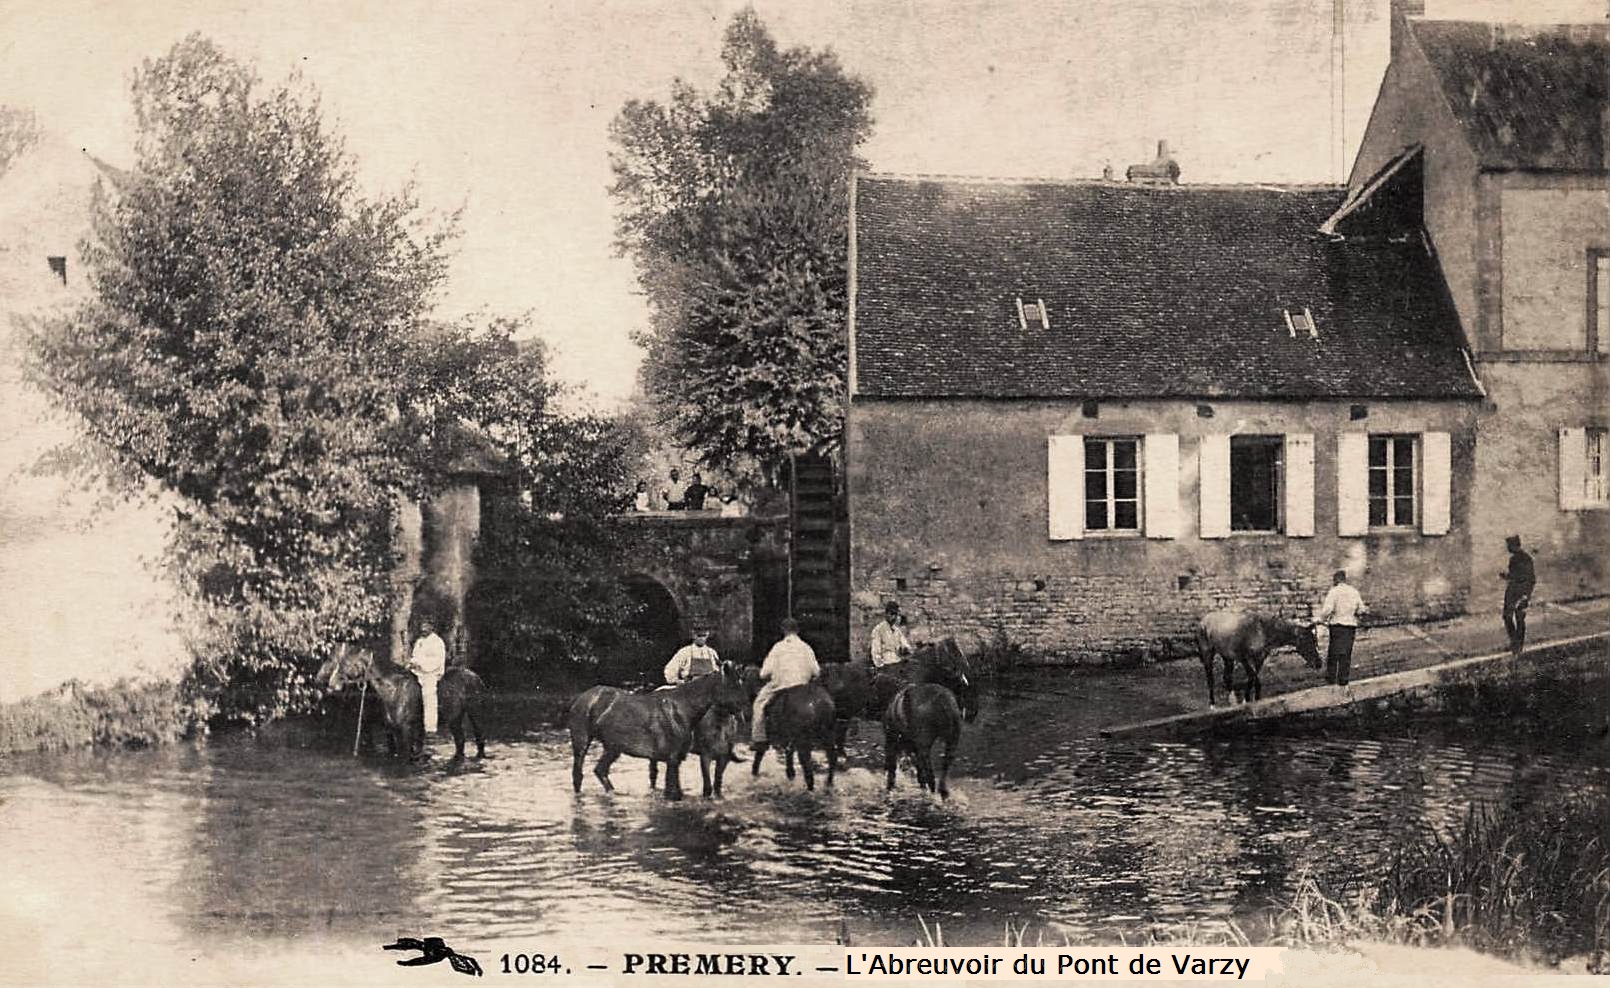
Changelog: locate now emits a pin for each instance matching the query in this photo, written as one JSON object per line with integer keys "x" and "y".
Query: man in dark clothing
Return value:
{"x": 693, "y": 497}
{"x": 1521, "y": 579}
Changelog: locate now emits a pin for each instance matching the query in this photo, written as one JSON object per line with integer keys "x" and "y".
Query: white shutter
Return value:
{"x": 1436, "y": 485}
{"x": 1065, "y": 484}
{"x": 1573, "y": 468}
{"x": 1160, "y": 465}
{"x": 1352, "y": 483}
{"x": 1213, "y": 480}
{"x": 1300, "y": 484}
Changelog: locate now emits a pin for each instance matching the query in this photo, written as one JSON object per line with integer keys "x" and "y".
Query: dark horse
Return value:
{"x": 919, "y": 715}
{"x": 458, "y": 696}
{"x": 798, "y": 719}
{"x": 713, "y": 738}
{"x": 1241, "y": 636}
{"x": 658, "y": 725}
{"x": 860, "y": 690}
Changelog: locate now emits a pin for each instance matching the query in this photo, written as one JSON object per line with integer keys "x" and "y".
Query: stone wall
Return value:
{"x": 948, "y": 515}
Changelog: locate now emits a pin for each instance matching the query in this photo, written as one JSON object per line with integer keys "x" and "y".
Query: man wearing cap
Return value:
{"x": 1340, "y": 612}
{"x": 428, "y": 662}
{"x": 889, "y": 641}
{"x": 1521, "y": 577}
{"x": 791, "y": 662}
{"x": 694, "y": 660}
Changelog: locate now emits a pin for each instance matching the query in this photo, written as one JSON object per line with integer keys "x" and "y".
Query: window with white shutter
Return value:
{"x": 1300, "y": 484}
{"x": 1112, "y": 484}
{"x": 1161, "y": 452}
{"x": 1436, "y": 485}
{"x": 1583, "y": 483}
{"x": 1352, "y": 483}
{"x": 1213, "y": 481}
{"x": 1393, "y": 484}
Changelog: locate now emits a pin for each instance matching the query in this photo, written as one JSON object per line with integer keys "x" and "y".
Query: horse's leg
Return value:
{"x": 891, "y": 755}
{"x": 579, "y": 742}
{"x": 806, "y": 767}
{"x": 841, "y": 734}
{"x": 1254, "y": 679}
{"x": 1229, "y": 679}
{"x": 601, "y": 768}
{"x": 925, "y": 764}
{"x": 653, "y": 772}
{"x": 704, "y": 775}
{"x": 788, "y": 762}
{"x": 1207, "y": 668}
{"x": 760, "y": 752}
{"x": 475, "y": 726}
{"x": 944, "y": 766}
{"x": 832, "y": 759}
{"x": 455, "y": 724}
{"x": 673, "y": 776}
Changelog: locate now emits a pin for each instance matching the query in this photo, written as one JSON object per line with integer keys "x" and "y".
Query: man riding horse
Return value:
{"x": 791, "y": 662}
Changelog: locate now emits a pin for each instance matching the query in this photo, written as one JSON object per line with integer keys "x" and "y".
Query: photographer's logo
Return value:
{"x": 434, "y": 949}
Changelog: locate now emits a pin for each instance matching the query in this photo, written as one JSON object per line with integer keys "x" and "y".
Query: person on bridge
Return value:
{"x": 428, "y": 663}
{"x": 693, "y": 660}
{"x": 791, "y": 662}
{"x": 1521, "y": 578}
{"x": 693, "y": 498}
{"x": 1341, "y": 610}
{"x": 889, "y": 641}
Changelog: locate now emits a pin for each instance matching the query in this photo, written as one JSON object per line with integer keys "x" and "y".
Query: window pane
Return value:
{"x": 1405, "y": 511}
{"x": 1095, "y": 514}
{"x": 1403, "y": 482}
{"x": 1123, "y": 455}
{"x": 1403, "y": 454}
{"x": 1126, "y": 514}
{"x": 1095, "y": 486}
{"x": 1123, "y": 483}
{"x": 1095, "y": 454}
{"x": 1377, "y": 483}
{"x": 1377, "y": 511}
{"x": 1254, "y": 484}
{"x": 1377, "y": 452}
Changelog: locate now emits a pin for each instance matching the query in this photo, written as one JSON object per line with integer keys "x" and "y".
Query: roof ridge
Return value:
{"x": 1101, "y": 182}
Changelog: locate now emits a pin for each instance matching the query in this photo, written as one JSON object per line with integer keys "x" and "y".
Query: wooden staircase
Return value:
{"x": 818, "y": 560}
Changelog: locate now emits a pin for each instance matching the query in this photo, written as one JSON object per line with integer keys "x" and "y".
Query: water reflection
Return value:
{"x": 240, "y": 843}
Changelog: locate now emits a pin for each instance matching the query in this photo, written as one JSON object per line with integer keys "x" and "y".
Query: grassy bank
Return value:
{"x": 125, "y": 714}
{"x": 1527, "y": 883}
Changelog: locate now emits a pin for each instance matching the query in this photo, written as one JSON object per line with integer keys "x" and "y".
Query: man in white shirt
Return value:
{"x": 693, "y": 661}
{"x": 889, "y": 641}
{"x": 1340, "y": 612}
{"x": 791, "y": 662}
{"x": 428, "y": 662}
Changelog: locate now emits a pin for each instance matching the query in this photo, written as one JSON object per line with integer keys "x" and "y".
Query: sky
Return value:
{"x": 503, "y": 107}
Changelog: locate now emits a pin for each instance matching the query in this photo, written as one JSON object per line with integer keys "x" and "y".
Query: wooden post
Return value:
{"x": 362, "y": 694}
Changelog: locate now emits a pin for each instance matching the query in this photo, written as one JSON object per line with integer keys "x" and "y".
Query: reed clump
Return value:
{"x": 1530, "y": 883}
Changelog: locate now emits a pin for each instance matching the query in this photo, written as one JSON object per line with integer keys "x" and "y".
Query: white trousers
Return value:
{"x": 427, "y": 691}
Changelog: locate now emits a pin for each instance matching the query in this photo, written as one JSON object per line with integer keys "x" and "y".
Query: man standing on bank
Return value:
{"x": 1521, "y": 577}
{"x": 428, "y": 662}
{"x": 692, "y": 661}
{"x": 791, "y": 662}
{"x": 889, "y": 641}
{"x": 1340, "y": 613}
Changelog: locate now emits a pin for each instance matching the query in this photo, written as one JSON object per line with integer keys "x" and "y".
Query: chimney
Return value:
{"x": 1401, "y": 10}
{"x": 1161, "y": 170}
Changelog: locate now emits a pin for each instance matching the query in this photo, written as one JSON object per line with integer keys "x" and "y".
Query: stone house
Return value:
{"x": 1494, "y": 137}
{"x": 1083, "y": 413}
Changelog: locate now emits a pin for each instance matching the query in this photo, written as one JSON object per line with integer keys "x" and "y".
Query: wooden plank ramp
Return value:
{"x": 1494, "y": 665}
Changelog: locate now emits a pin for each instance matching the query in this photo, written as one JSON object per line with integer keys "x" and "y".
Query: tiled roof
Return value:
{"x": 1151, "y": 292}
{"x": 1527, "y": 97}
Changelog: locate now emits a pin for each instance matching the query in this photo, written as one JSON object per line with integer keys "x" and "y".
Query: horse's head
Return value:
{"x": 947, "y": 665}
{"x": 735, "y": 690}
{"x": 347, "y": 664}
{"x": 1308, "y": 646}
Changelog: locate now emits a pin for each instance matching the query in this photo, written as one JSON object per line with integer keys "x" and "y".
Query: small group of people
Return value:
{"x": 1343, "y": 606}
{"x": 696, "y": 496}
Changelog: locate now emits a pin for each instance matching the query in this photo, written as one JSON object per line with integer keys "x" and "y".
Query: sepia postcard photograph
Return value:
{"x": 644, "y": 491}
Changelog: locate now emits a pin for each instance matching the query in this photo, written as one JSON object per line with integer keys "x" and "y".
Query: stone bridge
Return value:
{"x": 701, "y": 566}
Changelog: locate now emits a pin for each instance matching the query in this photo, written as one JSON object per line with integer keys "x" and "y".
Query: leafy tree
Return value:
{"x": 19, "y": 131}
{"x": 257, "y": 346}
{"x": 734, "y": 205}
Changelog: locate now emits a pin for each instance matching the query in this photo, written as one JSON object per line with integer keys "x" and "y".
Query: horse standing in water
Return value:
{"x": 713, "y": 738}
{"x": 658, "y": 725}
{"x": 1241, "y": 636}
{"x": 459, "y": 694}
{"x": 918, "y": 716}
{"x": 798, "y": 719}
{"x": 861, "y": 690}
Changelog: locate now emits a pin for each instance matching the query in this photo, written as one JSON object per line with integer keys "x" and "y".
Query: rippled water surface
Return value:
{"x": 1047, "y": 825}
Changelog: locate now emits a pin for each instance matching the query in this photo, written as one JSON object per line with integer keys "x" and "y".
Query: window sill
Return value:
{"x": 1394, "y": 531}
{"x": 1104, "y": 533}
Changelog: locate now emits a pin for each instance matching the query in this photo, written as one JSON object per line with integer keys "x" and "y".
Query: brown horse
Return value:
{"x": 860, "y": 690}
{"x": 658, "y": 725}
{"x": 459, "y": 694}
{"x": 798, "y": 719}
{"x": 713, "y": 739}
{"x": 1241, "y": 636}
{"x": 918, "y": 716}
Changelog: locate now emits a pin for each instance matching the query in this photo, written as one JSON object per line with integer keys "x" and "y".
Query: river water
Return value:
{"x": 242, "y": 842}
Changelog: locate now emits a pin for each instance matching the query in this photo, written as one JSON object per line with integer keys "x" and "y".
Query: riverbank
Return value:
{"x": 124, "y": 714}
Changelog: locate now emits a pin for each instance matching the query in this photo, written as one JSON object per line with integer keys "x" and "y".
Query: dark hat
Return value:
{"x": 790, "y": 626}
{"x": 1340, "y": 574}
{"x": 1513, "y": 541}
{"x": 891, "y": 607}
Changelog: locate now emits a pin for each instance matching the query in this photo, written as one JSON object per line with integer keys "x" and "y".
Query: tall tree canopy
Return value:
{"x": 257, "y": 343}
{"x": 734, "y": 206}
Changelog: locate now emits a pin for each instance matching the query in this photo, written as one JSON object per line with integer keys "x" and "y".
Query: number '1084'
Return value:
{"x": 530, "y": 964}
